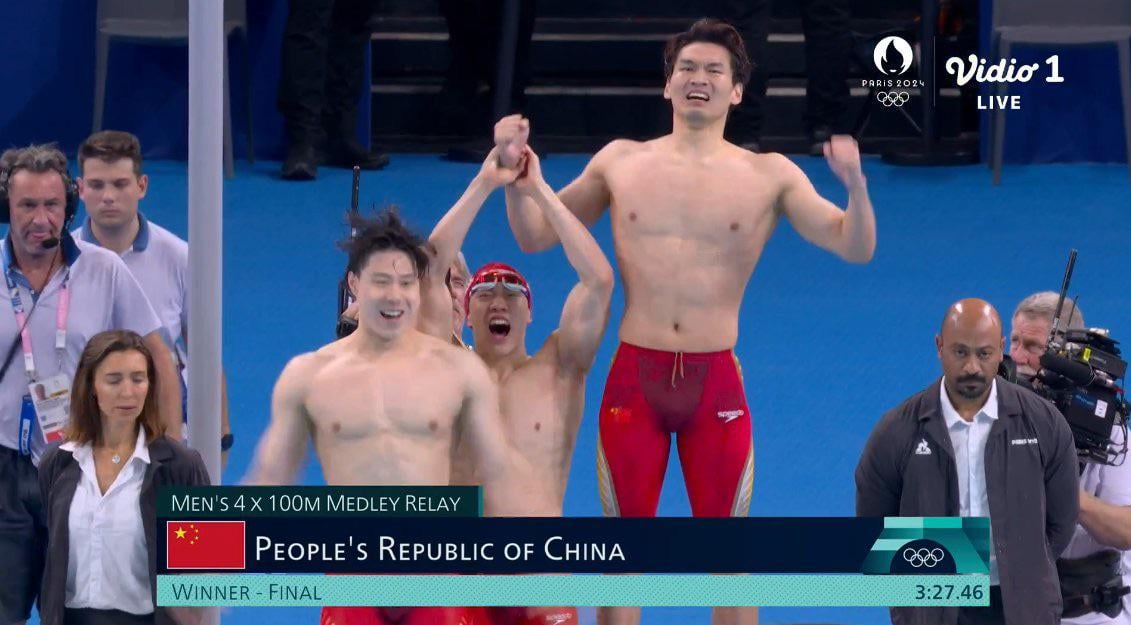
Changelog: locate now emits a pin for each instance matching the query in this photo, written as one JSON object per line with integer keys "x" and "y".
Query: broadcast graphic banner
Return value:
{"x": 415, "y": 530}
{"x": 309, "y": 546}
{"x": 581, "y": 590}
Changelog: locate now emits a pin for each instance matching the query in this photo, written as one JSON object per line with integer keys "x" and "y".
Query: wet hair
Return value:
{"x": 382, "y": 232}
{"x": 708, "y": 30}
{"x": 110, "y": 146}
{"x": 1043, "y": 305}
{"x": 85, "y": 425}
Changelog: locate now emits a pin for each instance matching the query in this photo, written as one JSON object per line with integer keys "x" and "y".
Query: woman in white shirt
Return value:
{"x": 99, "y": 489}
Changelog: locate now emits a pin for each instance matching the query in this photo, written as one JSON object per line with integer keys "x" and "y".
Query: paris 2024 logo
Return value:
{"x": 893, "y": 57}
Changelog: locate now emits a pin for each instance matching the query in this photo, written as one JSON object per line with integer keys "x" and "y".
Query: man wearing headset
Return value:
{"x": 59, "y": 292}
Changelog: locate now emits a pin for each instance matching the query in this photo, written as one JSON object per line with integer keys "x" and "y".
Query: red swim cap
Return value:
{"x": 493, "y": 274}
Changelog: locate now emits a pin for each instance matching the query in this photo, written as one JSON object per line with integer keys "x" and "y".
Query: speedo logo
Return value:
{"x": 730, "y": 415}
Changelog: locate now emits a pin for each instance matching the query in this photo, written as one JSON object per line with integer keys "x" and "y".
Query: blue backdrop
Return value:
{"x": 48, "y": 81}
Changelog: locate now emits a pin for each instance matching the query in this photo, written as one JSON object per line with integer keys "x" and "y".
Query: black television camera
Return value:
{"x": 1081, "y": 373}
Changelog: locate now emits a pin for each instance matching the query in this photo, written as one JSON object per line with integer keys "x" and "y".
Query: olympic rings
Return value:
{"x": 893, "y": 98}
{"x": 923, "y": 557}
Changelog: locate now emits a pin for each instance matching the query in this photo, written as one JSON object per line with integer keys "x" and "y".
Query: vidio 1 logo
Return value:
{"x": 975, "y": 68}
{"x": 893, "y": 57}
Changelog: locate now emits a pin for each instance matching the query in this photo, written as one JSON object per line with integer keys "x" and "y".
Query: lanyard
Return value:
{"x": 22, "y": 319}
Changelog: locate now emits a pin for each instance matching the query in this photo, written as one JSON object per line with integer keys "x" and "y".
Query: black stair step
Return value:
{"x": 652, "y": 8}
{"x": 562, "y": 56}
{"x": 639, "y": 112}
{"x": 597, "y": 85}
{"x": 661, "y": 27}
{"x": 564, "y": 48}
{"x": 658, "y": 27}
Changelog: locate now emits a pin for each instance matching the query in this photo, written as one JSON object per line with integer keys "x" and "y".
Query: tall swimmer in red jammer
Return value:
{"x": 690, "y": 215}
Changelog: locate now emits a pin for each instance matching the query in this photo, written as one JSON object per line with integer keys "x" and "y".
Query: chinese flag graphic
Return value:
{"x": 205, "y": 545}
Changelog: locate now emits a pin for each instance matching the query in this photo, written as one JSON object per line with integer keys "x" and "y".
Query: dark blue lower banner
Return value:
{"x": 904, "y": 546}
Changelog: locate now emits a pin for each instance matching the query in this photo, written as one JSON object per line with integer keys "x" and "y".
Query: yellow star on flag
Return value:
{"x": 180, "y": 532}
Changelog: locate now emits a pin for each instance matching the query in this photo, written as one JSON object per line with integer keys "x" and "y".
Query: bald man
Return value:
{"x": 973, "y": 444}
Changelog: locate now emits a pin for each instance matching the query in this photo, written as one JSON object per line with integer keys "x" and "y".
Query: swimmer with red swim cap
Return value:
{"x": 542, "y": 394}
{"x": 548, "y": 385}
{"x": 386, "y": 404}
{"x": 691, "y": 214}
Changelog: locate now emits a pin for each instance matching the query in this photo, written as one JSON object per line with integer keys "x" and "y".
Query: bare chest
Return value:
{"x": 538, "y": 407}
{"x": 365, "y": 401}
{"x": 654, "y": 197}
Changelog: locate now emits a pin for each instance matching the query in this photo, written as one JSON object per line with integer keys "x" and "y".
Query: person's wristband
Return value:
{"x": 226, "y": 441}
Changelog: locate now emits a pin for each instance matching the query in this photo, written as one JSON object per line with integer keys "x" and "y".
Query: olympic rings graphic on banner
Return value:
{"x": 923, "y": 557}
{"x": 893, "y": 98}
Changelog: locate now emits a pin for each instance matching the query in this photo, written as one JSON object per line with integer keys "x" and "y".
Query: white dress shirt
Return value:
{"x": 107, "y": 559}
{"x": 969, "y": 442}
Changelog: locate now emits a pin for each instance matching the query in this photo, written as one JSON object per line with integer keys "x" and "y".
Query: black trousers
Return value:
{"x": 474, "y": 32}
{"x": 828, "y": 45}
{"x": 23, "y": 535}
{"x": 992, "y": 615}
{"x": 323, "y": 68}
{"x": 90, "y": 616}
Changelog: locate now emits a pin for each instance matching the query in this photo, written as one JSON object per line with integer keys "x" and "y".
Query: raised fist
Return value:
{"x": 511, "y": 135}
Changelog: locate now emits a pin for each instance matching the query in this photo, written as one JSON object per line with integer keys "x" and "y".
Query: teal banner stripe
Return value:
{"x": 580, "y": 590}
{"x": 932, "y": 522}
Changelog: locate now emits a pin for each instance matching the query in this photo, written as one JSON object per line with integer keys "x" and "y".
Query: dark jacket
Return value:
{"x": 170, "y": 464}
{"x": 1032, "y": 489}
